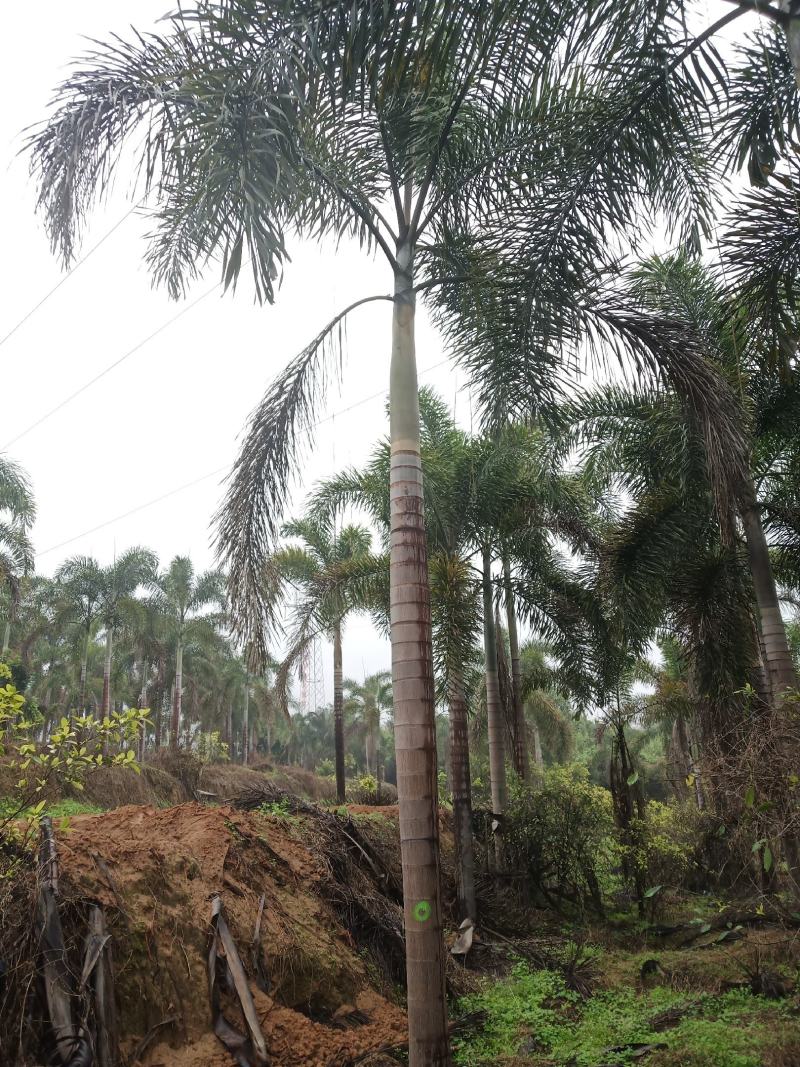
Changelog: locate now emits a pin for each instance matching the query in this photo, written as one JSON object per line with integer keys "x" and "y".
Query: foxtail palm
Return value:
{"x": 118, "y": 583}
{"x": 407, "y": 125}
{"x": 17, "y": 513}
{"x": 739, "y": 348}
{"x": 181, "y": 595}
{"x": 80, "y": 584}
{"x": 369, "y": 699}
{"x": 317, "y": 570}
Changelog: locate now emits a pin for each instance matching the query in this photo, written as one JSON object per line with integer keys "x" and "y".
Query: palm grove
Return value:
{"x": 514, "y": 165}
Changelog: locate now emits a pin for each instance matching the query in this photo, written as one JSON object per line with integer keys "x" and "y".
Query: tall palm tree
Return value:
{"x": 119, "y": 582}
{"x": 677, "y": 284}
{"x": 420, "y": 129}
{"x": 181, "y": 596}
{"x": 17, "y": 513}
{"x": 317, "y": 569}
{"x": 368, "y": 700}
{"x": 80, "y": 583}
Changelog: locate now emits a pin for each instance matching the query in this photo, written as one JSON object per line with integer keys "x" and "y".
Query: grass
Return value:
{"x": 532, "y": 1014}
{"x": 58, "y": 809}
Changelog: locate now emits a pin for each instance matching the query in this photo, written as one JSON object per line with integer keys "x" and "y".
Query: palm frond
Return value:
{"x": 249, "y": 519}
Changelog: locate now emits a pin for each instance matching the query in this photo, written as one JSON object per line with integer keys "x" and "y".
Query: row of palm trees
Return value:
{"x": 501, "y": 158}
{"x": 93, "y": 637}
{"x": 131, "y": 614}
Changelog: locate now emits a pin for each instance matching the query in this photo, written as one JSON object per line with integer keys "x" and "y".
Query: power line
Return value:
{"x": 107, "y": 370}
{"x": 133, "y": 511}
{"x": 211, "y": 474}
{"x": 69, "y": 274}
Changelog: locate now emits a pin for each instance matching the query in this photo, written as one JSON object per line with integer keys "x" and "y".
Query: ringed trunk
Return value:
{"x": 780, "y": 668}
{"x": 461, "y": 788}
{"x": 246, "y": 722}
{"x": 106, "y": 706}
{"x": 538, "y": 757}
{"x": 522, "y": 763}
{"x": 6, "y": 636}
{"x": 371, "y": 746}
{"x": 338, "y": 712}
{"x": 412, "y": 678}
{"x": 177, "y": 700}
{"x": 84, "y": 668}
{"x": 494, "y": 709}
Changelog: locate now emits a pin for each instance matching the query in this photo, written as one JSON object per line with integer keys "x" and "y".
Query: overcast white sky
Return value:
{"x": 171, "y": 413}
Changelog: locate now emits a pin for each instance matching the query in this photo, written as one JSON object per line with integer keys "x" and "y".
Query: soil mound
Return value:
{"x": 319, "y": 995}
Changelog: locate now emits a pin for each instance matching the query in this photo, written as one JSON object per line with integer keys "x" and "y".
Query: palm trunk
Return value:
{"x": 338, "y": 713}
{"x": 494, "y": 709}
{"x": 461, "y": 788}
{"x": 246, "y": 722}
{"x": 106, "y": 706}
{"x": 370, "y": 749}
{"x": 522, "y": 763}
{"x": 780, "y": 668}
{"x": 84, "y": 670}
{"x": 6, "y": 637}
{"x": 538, "y": 757}
{"x": 412, "y": 677}
{"x": 177, "y": 700}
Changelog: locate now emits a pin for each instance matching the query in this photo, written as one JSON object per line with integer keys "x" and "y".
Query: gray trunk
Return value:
{"x": 338, "y": 713}
{"x": 780, "y": 668}
{"x": 494, "y": 709}
{"x": 6, "y": 636}
{"x": 246, "y": 722}
{"x": 177, "y": 700}
{"x": 538, "y": 758}
{"x": 106, "y": 708}
{"x": 522, "y": 763}
{"x": 412, "y": 678}
{"x": 461, "y": 788}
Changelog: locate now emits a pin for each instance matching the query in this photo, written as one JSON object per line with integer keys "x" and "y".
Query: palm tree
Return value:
{"x": 80, "y": 582}
{"x": 317, "y": 569}
{"x": 453, "y": 123}
{"x": 368, "y": 699}
{"x": 677, "y": 284}
{"x": 181, "y": 595}
{"x": 17, "y": 513}
{"x": 118, "y": 584}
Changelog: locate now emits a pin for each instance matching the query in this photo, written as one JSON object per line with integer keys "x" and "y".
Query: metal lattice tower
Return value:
{"x": 312, "y": 682}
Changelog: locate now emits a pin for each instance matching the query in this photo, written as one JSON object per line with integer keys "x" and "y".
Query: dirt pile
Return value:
{"x": 319, "y": 996}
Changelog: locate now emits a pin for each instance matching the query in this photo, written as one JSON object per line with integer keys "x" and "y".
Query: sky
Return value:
{"x": 138, "y": 457}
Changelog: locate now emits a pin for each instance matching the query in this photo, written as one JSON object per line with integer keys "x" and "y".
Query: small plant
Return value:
{"x": 326, "y": 768}
{"x": 278, "y": 809}
{"x": 73, "y": 749}
{"x": 211, "y": 748}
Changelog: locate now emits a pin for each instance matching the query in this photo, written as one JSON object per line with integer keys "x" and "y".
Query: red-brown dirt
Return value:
{"x": 156, "y": 871}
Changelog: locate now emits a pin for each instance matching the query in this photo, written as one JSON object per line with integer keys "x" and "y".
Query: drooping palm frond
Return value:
{"x": 16, "y": 495}
{"x": 760, "y": 125}
{"x": 760, "y": 248}
{"x": 250, "y": 517}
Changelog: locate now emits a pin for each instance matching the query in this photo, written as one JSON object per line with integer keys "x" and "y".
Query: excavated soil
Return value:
{"x": 155, "y": 872}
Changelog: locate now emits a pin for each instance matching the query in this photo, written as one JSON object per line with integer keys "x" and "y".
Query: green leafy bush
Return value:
{"x": 73, "y": 748}
{"x": 561, "y": 836}
{"x": 326, "y": 768}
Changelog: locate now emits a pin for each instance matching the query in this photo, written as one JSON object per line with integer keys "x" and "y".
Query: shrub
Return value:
{"x": 561, "y": 836}
{"x": 73, "y": 748}
{"x": 326, "y": 768}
